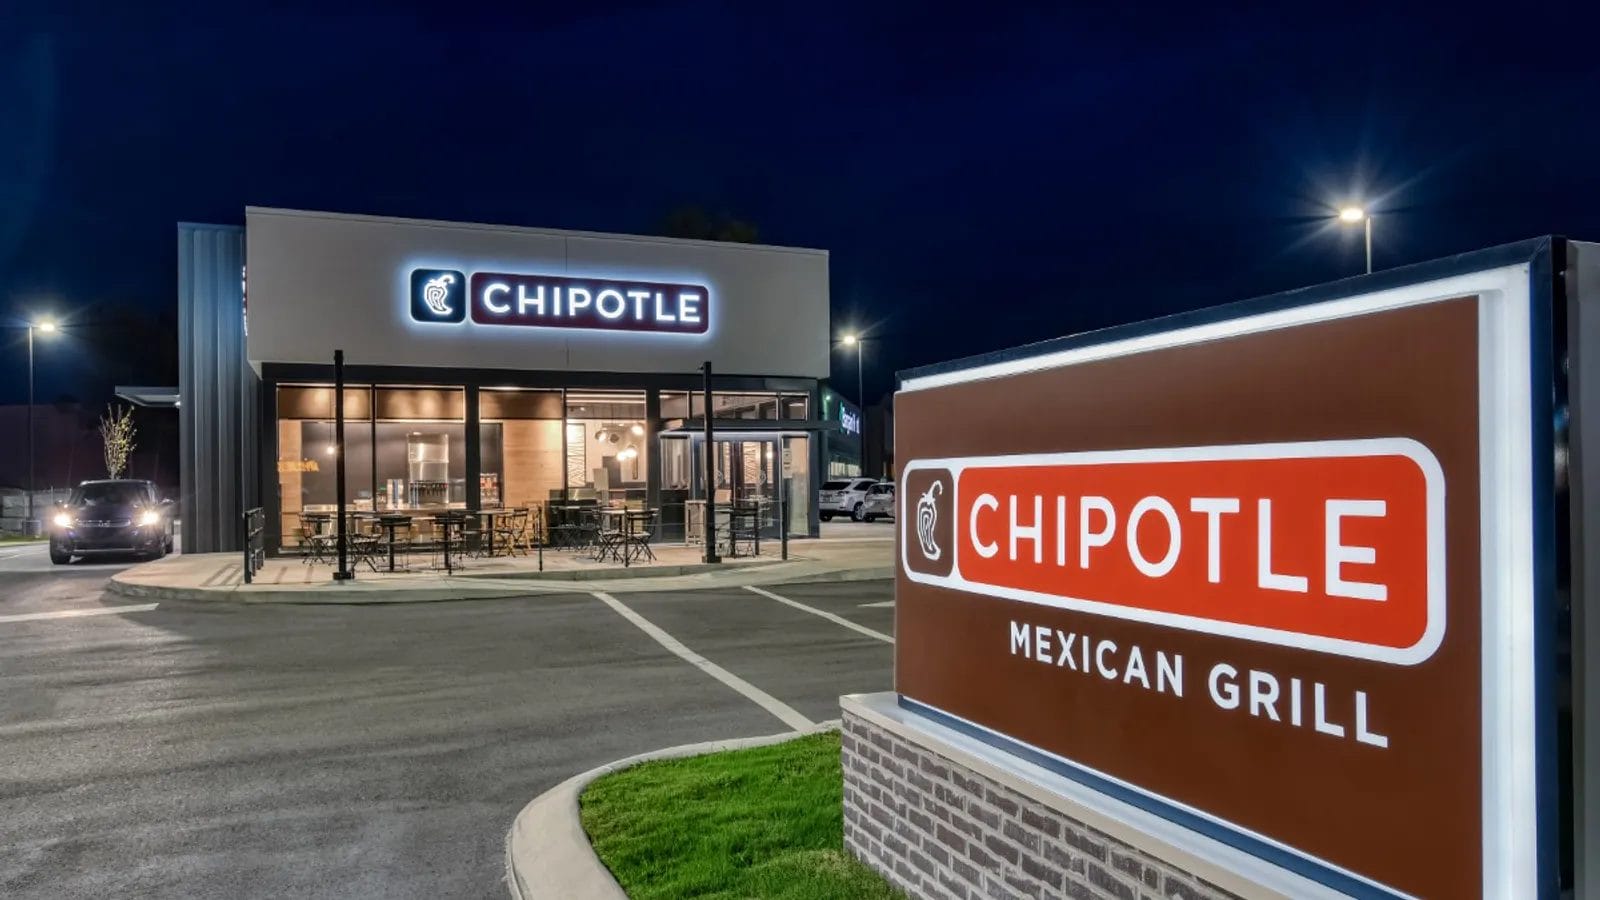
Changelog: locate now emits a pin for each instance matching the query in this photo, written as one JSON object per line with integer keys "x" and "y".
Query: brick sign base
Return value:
{"x": 938, "y": 823}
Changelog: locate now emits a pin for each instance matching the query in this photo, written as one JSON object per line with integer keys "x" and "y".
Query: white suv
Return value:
{"x": 844, "y": 498}
{"x": 880, "y": 501}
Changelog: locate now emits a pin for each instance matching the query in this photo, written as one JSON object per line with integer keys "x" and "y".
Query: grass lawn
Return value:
{"x": 19, "y": 539}
{"x": 763, "y": 822}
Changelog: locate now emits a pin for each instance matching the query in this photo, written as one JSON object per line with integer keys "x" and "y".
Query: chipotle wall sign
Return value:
{"x": 1237, "y": 581}
{"x": 447, "y": 296}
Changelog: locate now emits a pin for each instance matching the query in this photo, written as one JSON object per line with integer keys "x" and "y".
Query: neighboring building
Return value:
{"x": 843, "y": 439}
{"x": 489, "y": 365}
{"x": 877, "y": 438}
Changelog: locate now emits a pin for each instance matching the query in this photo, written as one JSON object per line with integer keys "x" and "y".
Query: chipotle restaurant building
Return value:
{"x": 490, "y": 366}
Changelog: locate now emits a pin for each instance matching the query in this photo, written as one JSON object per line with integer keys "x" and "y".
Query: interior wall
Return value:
{"x": 531, "y": 457}
{"x": 290, "y": 482}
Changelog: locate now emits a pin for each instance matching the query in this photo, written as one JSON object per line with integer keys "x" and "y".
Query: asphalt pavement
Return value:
{"x": 220, "y": 750}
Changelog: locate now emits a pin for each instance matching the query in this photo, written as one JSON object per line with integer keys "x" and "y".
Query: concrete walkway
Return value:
{"x": 219, "y": 576}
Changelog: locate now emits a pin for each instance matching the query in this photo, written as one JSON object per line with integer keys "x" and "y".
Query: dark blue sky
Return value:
{"x": 983, "y": 178}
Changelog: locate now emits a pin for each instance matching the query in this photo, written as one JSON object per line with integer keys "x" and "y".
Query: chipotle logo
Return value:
{"x": 1331, "y": 546}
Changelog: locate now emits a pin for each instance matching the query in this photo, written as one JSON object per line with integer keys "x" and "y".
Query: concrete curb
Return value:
{"x": 489, "y": 587}
{"x": 548, "y": 854}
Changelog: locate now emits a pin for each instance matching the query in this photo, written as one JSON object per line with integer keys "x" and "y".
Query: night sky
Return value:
{"x": 981, "y": 179}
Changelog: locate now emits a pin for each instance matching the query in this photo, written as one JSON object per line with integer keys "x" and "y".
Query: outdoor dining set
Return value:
{"x": 451, "y": 538}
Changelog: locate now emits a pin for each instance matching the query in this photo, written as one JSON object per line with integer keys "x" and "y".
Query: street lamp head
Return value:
{"x": 849, "y": 340}
{"x": 1352, "y": 214}
{"x": 45, "y": 325}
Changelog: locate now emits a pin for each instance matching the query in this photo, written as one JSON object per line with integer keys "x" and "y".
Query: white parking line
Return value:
{"x": 881, "y": 604}
{"x": 838, "y": 620}
{"x": 785, "y": 713}
{"x": 79, "y": 613}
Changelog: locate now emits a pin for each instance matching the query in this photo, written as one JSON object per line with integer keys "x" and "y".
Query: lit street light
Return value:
{"x": 1353, "y": 214}
{"x": 851, "y": 340}
{"x": 48, "y": 327}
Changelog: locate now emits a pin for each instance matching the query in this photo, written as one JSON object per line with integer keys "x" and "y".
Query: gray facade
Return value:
{"x": 219, "y": 394}
{"x": 320, "y": 282}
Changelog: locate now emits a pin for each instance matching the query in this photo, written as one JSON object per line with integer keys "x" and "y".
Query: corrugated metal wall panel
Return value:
{"x": 218, "y": 420}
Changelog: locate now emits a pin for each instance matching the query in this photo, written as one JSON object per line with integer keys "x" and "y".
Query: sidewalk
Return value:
{"x": 219, "y": 576}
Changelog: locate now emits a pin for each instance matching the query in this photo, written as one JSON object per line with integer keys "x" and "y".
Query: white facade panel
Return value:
{"x": 320, "y": 281}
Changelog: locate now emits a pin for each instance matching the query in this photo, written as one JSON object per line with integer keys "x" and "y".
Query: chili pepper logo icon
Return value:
{"x": 927, "y": 518}
{"x": 436, "y": 292}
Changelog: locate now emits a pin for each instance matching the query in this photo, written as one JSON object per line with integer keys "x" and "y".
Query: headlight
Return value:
{"x": 150, "y": 517}
{"x": 63, "y": 520}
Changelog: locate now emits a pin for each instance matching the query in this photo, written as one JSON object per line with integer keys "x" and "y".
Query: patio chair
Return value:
{"x": 315, "y": 543}
{"x": 639, "y": 531}
{"x": 365, "y": 541}
{"x": 511, "y": 533}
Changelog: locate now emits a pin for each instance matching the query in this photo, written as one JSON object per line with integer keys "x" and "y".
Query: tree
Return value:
{"x": 695, "y": 222}
{"x": 116, "y": 430}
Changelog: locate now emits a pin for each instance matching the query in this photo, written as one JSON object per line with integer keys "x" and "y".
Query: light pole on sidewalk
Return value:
{"x": 47, "y": 326}
{"x": 852, "y": 340}
{"x": 1353, "y": 214}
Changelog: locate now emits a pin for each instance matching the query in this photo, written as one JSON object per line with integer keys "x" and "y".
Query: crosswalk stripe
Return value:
{"x": 79, "y": 613}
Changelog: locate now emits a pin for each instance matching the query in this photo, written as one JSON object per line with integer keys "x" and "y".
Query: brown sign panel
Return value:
{"x": 1234, "y": 579}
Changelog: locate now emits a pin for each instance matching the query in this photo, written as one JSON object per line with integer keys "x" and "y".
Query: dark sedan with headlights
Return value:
{"x": 123, "y": 516}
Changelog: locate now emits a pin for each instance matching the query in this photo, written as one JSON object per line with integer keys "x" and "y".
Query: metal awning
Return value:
{"x": 159, "y": 397}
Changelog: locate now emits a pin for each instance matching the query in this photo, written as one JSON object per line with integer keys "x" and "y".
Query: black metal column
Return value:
{"x": 652, "y": 447}
{"x": 711, "y": 473}
{"x": 473, "y": 495}
{"x": 343, "y": 573}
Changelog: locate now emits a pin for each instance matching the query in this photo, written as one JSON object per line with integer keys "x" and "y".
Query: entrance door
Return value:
{"x": 750, "y": 471}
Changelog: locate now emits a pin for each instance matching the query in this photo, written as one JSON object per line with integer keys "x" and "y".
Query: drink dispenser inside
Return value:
{"x": 428, "y": 469}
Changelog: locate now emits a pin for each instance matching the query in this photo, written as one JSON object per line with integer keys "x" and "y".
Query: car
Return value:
{"x": 844, "y": 497}
{"x": 112, "y": 516}
{"x": 880, "y": 502}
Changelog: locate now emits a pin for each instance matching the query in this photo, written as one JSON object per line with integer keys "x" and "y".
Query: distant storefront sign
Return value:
{"x": 557, "y": 301}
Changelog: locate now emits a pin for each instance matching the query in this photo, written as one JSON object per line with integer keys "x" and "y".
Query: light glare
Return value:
{"x": 1352, "y": 214}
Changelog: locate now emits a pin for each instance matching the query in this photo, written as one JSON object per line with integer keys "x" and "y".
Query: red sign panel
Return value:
{"x": 1335, "y": 546}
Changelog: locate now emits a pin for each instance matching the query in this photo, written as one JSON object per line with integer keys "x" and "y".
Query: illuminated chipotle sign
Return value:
{"x": 448, "y": 296}
{"x": 1335, "y": 546}
{"x": 558, "y": 301}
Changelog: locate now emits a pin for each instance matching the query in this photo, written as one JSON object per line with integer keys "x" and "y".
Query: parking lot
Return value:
{"x": 227, "y": 750}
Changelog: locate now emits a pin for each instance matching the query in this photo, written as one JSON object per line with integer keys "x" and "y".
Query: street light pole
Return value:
{"x": 852, "y": 340}
{"x": 1353, "y": 214}
{"x": 861, "y": 393}
{"x": 28, "y": 527}
{"x": 47, "y": 326}
{"x": 1369, "y": 244}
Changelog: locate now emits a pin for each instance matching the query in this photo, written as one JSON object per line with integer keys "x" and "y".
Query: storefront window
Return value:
{"x": 734, "y": 405}
{"x": 797, "y": 479}
{"x": 676, "y": 461}
{"x": 520, "y": 443}
{"x": 679, "y": 405}
{"x": 607, "y": 454}
{"x": 307, "y": 458}
{"x": 422, "y": 447}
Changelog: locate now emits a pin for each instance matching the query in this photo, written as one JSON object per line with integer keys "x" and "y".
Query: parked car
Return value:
{"x": 113, "y": 516}
{"x": 880, "y": 502}
{"x": 847, "y": 497}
